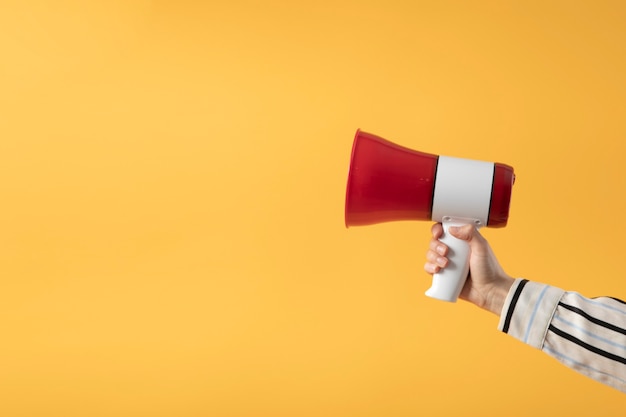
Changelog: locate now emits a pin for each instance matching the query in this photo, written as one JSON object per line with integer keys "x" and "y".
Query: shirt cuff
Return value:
{"x": 528, "y": 311}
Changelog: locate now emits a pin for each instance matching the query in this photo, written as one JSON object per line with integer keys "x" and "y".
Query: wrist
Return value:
{"x": 497, "y": 294}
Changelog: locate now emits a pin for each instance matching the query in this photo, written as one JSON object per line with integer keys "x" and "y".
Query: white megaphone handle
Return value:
{"x": 448, "y": 282}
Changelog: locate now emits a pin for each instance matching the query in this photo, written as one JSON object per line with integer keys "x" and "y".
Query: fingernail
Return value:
{"x": 441, "y": 250}
{"x": 441, "y": 261}
{"x": 454, "y": 229}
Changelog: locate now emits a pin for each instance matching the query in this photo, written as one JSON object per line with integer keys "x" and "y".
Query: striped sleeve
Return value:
{"x": 586, "y": 334}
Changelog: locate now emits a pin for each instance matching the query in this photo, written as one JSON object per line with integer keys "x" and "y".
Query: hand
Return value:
{"x": 487, "y": 284}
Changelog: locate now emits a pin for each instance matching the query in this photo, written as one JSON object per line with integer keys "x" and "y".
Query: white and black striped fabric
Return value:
{"x": 586, "y": 334}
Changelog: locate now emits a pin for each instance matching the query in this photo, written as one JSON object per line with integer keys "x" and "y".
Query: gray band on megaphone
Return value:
{"x": 463, "y": 189}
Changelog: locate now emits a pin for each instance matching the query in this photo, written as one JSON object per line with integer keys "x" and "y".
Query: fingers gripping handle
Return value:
{"x": 448, "y": 282}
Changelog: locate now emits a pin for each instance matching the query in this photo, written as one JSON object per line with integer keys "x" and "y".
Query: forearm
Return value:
{"x": 585, "y": 334}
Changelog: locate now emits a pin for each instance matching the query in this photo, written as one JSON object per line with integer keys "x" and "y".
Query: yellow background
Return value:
{"x": 172, "y": 186}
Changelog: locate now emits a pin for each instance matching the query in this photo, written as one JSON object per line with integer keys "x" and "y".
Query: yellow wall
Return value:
{"x": 172, "y": 181}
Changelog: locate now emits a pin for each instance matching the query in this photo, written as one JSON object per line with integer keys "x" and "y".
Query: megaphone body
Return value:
{"x": 388, "y": 182}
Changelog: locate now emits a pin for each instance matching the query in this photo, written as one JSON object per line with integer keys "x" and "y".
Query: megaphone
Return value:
{"x": 388, "y": 182}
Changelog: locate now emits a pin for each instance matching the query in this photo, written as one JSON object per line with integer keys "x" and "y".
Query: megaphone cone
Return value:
{"x": 388, "y": 182}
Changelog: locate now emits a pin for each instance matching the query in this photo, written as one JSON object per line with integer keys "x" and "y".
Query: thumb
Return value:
{"x": 472, "y": 236}
{"x": 467, "y": 232}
